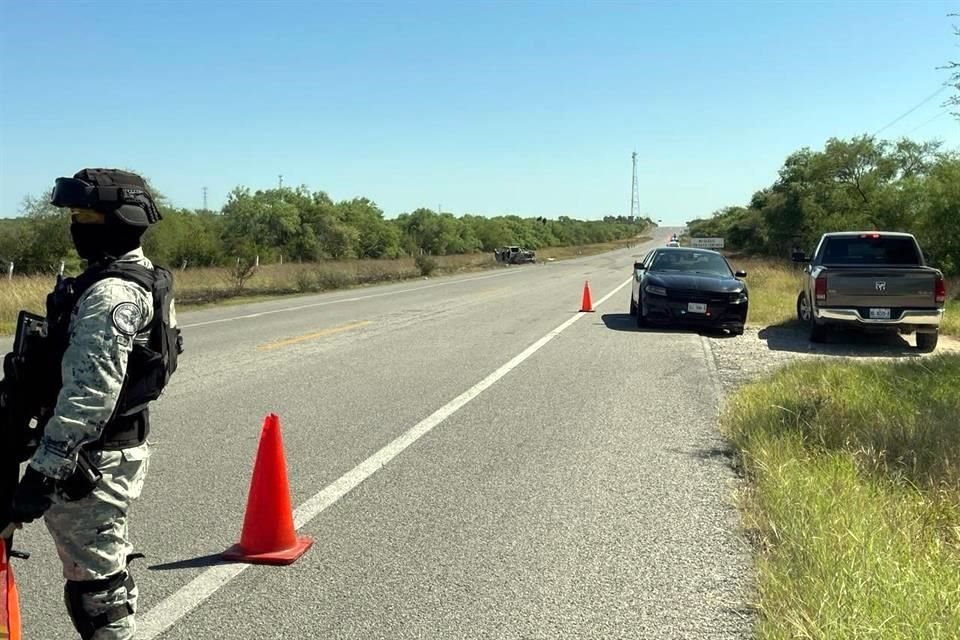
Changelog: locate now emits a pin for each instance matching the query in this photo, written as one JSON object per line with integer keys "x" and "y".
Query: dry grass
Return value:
{"x": 951, "y": 318}
{"x": 563, "y": 253}
{"x": 199, "y": 287}
{"x": 22, "y": 292}
{"x": 773, "y": 289}
{"x": 854, "y": 503}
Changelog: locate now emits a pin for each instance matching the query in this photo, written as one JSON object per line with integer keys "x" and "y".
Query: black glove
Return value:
{"x": 12, "y": 368}
{"x": 33, "y": 497}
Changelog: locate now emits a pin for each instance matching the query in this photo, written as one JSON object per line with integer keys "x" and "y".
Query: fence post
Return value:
{"x": 63, "y": 265}
{"x": 256, "y": 262}
{"x": 281, "y": 259}
{"x": 183, "y": 267}
{"x": 10, "y": 271}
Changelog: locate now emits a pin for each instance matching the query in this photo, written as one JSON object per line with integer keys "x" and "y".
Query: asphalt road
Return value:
{"x": 474, "y": 458}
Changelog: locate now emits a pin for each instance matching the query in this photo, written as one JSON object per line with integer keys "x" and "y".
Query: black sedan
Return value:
{"x": 678, "y": 285}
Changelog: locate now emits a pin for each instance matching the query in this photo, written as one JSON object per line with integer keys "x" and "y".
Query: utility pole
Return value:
{"x": 634, "y": 190}
{"x": 280, "y": 177}
{"x": 205, "y": 199}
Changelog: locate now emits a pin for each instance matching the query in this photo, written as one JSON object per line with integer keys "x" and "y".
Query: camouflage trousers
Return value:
{"x": 91, "y": 535}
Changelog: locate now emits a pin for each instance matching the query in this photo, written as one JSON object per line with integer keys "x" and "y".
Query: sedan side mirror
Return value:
{"x": 741, "y": 274}
{"x": 638, "y": 266}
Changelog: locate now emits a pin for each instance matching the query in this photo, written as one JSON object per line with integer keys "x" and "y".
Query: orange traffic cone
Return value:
{"x": 268, "y": 535}
{"x": 9, "y": 602}
{"x": 586, "y": 304}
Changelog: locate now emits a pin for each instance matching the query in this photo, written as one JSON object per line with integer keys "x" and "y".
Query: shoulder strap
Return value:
{"x": 129, "y": 271}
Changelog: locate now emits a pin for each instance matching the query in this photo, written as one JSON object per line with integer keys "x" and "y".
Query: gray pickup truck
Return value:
{"x": 871, "y": 280}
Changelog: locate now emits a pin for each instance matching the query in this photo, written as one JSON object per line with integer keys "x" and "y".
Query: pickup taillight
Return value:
{"x": 940, "y": 290}
{"x": 820, "y": 288}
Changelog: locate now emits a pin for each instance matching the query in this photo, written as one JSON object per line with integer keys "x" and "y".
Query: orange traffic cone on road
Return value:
{"x": 268, "y": 536}
{"x": 586, "y": 304}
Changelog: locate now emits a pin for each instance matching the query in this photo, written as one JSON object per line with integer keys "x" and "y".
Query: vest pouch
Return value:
{"x": 146, "y": 386}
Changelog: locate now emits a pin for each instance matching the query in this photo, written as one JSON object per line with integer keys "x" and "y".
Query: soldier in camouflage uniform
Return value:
{"x": 93, "y": 456}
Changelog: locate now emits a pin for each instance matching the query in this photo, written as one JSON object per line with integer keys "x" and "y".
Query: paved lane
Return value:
{"x": 574, "y": 497}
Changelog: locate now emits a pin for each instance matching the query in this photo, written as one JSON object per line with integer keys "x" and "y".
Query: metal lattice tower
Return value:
{"x": 204, "y": 198}
{"x": 635, "y": 192}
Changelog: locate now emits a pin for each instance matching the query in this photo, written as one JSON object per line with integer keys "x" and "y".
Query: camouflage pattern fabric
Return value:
{"x": 91, "y": 533}
{"x": 104, "y": 324}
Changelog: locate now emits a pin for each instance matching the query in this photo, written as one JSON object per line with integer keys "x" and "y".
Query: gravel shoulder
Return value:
{"x": 761, "y": 351}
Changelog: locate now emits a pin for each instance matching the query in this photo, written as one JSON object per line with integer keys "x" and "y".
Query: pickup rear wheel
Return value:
{"x": 818, "y": 332}
{"x": 803, "y": 309}
{"x": 927, "y": 342}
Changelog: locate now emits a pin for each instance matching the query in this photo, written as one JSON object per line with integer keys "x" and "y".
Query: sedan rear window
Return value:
{"x": 870, "y": 250}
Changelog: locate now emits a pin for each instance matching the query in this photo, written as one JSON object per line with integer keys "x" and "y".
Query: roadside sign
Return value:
{"x": 706, "y": 243}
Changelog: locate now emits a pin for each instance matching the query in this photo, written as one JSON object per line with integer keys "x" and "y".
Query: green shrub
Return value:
{"x": 426, "y": 264}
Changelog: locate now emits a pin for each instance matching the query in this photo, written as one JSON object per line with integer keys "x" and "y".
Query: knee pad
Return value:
{"x": 87, "y": 623}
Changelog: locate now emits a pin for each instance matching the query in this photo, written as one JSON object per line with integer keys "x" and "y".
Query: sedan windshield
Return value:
{"x": 691, "y": 262}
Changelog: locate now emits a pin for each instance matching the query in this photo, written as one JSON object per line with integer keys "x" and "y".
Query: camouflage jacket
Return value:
{"x": 105, "y": 323}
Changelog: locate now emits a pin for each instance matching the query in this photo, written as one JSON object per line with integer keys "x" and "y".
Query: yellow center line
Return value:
{"x": 312, "y": 336}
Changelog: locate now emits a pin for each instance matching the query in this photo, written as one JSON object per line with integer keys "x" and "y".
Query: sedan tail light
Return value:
{"x": 940, "y": 290}
{"x": 820, "y": 288}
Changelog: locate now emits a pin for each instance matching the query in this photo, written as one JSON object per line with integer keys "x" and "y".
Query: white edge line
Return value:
{"x": 340, "y": 300}
{"x": 188, "y": 597}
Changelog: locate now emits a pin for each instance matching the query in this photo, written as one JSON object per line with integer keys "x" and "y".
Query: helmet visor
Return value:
{"x": 73, "y": 193}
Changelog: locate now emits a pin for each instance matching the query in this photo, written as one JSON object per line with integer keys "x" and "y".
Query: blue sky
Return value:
{"x": 496, "y": 107}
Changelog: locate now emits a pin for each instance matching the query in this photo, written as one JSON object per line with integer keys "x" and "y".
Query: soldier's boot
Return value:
{"x": 103, "y": 609}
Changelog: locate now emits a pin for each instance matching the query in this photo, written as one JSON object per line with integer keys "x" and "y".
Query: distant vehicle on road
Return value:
{"x": 679, "y": 285}
{"x": 874, "y": 281}
{"x": 673, "y": 243}
{"x": 514, "y": 255}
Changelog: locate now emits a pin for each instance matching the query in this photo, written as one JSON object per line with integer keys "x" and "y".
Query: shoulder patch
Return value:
{"x": 127, "y": 318}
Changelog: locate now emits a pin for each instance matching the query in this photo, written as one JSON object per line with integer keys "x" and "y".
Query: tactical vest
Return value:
{"x": 150, "y": 364}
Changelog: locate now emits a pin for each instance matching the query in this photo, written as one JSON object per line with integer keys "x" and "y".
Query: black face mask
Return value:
{"x": 96, "y": 242}
{"x": 88, "y": 239}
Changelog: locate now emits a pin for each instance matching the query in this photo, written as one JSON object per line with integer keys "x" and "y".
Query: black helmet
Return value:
{"x": 121, "y": 195}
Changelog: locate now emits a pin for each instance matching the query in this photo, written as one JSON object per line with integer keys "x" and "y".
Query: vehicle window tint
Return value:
{"x": 853, "y": 251}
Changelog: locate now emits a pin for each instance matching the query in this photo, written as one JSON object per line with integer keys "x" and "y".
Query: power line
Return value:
{"x": 936, "y": 117}
{"x": 923, "y": 102}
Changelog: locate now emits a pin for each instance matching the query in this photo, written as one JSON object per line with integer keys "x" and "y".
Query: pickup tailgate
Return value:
{"x": 908, "y": 288}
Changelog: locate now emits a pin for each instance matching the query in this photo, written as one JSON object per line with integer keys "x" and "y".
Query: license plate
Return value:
{"x": 696, "y": 307}
{"x": 879, "y": 314}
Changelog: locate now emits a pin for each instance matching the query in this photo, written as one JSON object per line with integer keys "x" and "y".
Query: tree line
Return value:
{"x": 855, "y": 184}
{"x": 297, "y": 224}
